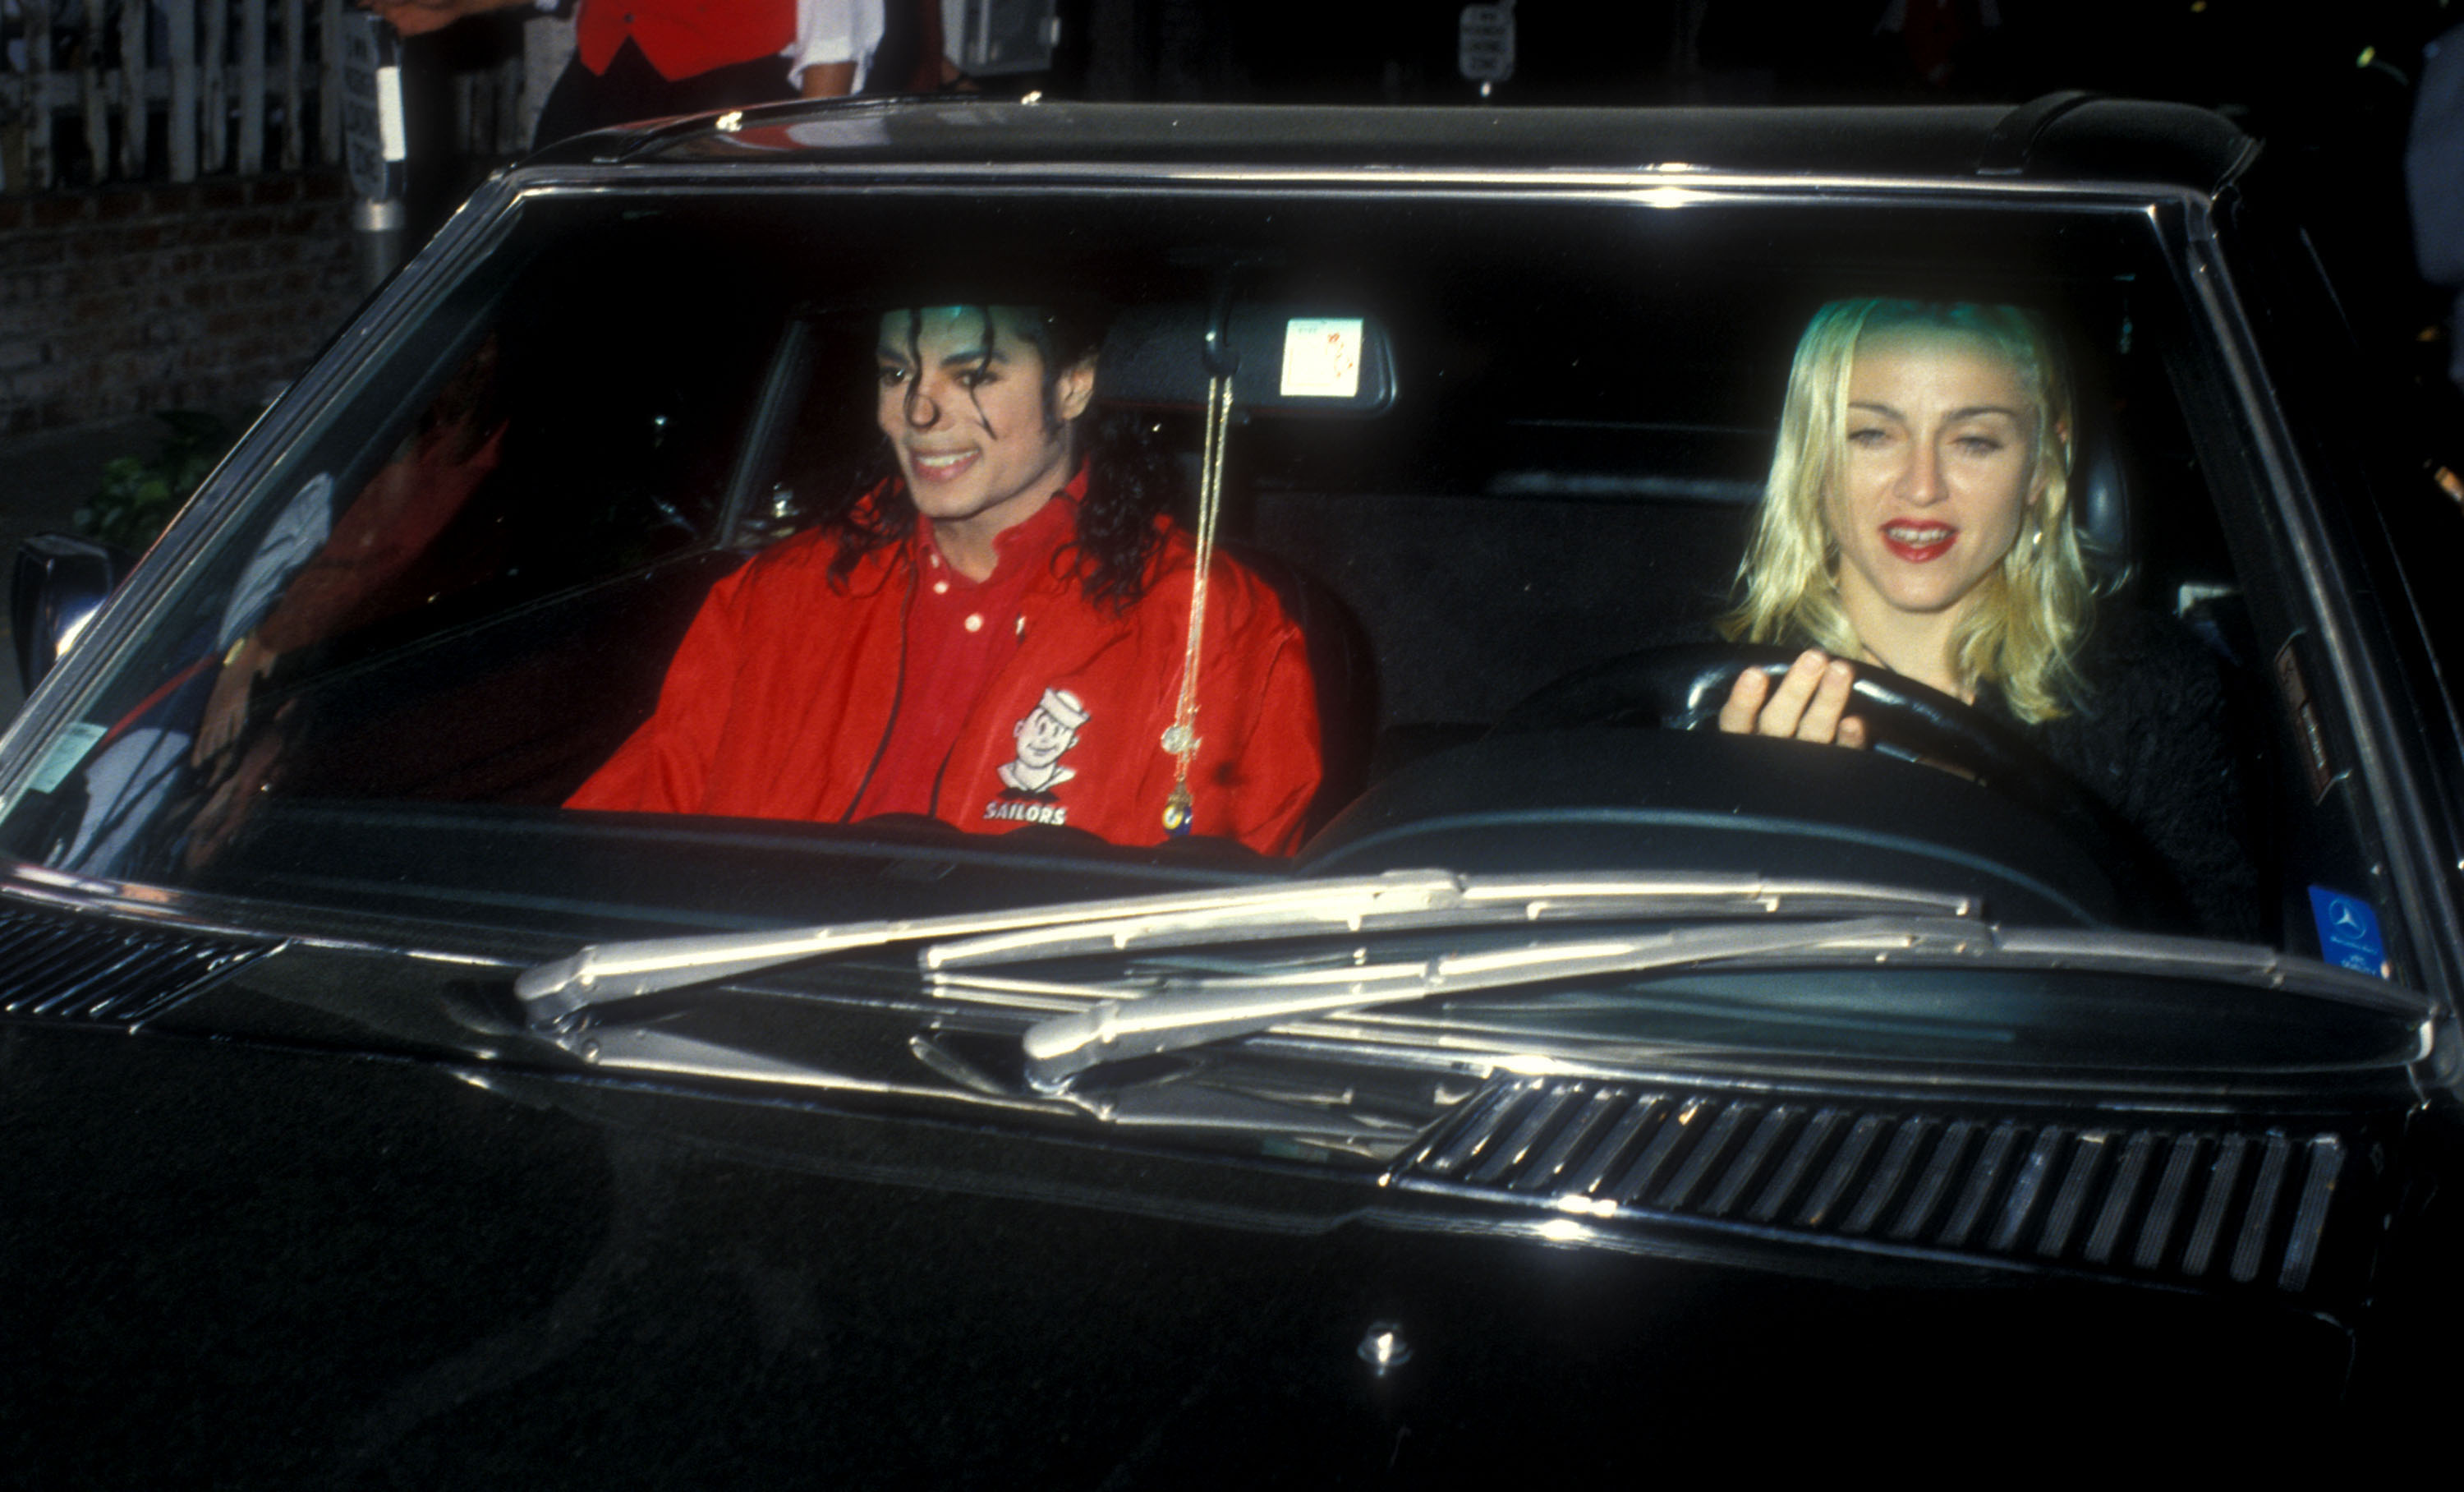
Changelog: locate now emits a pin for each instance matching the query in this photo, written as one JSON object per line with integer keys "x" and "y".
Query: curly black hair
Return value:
{"x": 1130, "y": 478}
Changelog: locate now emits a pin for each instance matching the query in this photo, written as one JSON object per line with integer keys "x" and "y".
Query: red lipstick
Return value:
{"x": 1918, "y": 543}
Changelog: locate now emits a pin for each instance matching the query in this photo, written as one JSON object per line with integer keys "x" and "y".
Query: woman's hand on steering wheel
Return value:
{"x": 1809, "y": 703}
{"x": 1752, "y": 689}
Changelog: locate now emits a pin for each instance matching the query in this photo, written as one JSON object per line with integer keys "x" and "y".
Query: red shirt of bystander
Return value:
{"x": 684, "y": 39}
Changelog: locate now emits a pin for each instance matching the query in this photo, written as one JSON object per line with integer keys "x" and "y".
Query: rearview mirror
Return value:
{"x": 1293, "y": 360}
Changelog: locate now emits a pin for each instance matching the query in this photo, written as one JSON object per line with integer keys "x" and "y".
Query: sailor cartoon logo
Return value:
{"x": 1043, "y": 737}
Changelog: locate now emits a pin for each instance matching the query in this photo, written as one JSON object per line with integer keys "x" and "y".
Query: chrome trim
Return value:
{"x": 108, "y": 971}
{"x": 1644, "y": 176}
{"x": 2309, "y": 1214}
{"x": 2019, "y": 1198}
{"x": 2397, "y": 803}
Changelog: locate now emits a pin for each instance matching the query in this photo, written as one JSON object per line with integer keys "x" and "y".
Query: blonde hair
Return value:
{"x": 2031, "y": 610}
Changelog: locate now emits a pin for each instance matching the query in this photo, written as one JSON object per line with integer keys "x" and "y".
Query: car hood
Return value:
{"x": 238, "y": 1264}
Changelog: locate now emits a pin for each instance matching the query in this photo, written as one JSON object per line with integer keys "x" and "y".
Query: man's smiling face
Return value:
{"x": 981, "y": 426}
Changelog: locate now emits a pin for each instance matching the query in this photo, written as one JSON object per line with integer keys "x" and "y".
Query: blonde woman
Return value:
{"x": 1917, "y": 521}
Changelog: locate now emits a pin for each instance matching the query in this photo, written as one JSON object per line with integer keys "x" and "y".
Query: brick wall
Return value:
{"x": 131, "y": 300}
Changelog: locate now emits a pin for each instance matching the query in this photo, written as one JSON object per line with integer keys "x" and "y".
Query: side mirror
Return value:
{"x": 60, "y": 583}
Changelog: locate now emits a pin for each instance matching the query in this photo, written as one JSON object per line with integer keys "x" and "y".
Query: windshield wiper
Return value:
{"x": 1181, "y": 1014}
{"x": 558, "y": 991}
{"x": 1721, "y": 921}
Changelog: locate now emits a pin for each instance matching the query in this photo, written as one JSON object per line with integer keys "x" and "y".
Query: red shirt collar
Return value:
{"x": 1023, "y": 549}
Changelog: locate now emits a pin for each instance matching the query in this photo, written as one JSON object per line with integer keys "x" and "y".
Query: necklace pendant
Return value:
{"x": 1177, "y": 811}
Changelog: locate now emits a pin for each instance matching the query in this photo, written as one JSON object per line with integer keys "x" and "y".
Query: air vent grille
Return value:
{"x": 90, "y": 970}
{"x": 2200, "y": 1204}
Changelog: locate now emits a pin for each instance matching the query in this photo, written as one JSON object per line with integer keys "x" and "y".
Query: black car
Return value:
{"x": 1588, "y": 1093}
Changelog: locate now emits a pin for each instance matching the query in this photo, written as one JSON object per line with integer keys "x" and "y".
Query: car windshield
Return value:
{"x": 1483, "y": 499}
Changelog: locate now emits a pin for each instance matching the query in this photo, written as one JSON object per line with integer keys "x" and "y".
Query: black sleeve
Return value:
{"x": 2154, "y": 740}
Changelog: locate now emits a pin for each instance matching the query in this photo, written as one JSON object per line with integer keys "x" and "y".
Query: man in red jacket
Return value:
{"x": 994, "y": 632}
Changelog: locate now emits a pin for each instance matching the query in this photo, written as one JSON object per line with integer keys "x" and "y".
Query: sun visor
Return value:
{"x": 1292, "y": 360}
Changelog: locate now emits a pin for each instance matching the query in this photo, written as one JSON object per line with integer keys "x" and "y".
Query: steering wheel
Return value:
{"x": 1682, "y": 688}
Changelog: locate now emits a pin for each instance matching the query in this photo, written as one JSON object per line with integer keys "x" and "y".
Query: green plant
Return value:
{"x": 140, "y": 493}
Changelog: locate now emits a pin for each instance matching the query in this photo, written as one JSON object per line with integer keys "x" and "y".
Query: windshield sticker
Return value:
{"x": 2348, "y": 932}
{"x": 1322, "y": 357}
{"x": 68, "y": 748}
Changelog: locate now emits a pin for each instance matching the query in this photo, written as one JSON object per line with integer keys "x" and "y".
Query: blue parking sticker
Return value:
{"x": 2348, "y": 931}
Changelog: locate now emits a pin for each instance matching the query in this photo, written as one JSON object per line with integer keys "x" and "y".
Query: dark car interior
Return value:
{"x": 1559, "y": 471}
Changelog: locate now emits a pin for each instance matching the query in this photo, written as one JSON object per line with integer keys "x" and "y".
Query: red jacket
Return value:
{"x": 783, "y": 692}
{"x": 684, "y": 39}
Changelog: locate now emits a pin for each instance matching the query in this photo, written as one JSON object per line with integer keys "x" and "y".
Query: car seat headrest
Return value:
{"x": 2099, "y": 497}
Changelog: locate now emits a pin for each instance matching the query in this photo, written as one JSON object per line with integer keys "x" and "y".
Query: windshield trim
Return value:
{"x": 2399, "y": 813}
{"x": 1672, "y": 185}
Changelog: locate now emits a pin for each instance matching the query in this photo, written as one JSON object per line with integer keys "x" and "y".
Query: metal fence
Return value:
{"x": 95, "y": 91}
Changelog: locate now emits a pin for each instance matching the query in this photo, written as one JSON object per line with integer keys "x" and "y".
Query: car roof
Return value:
{"x": 2061, "y": 137}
